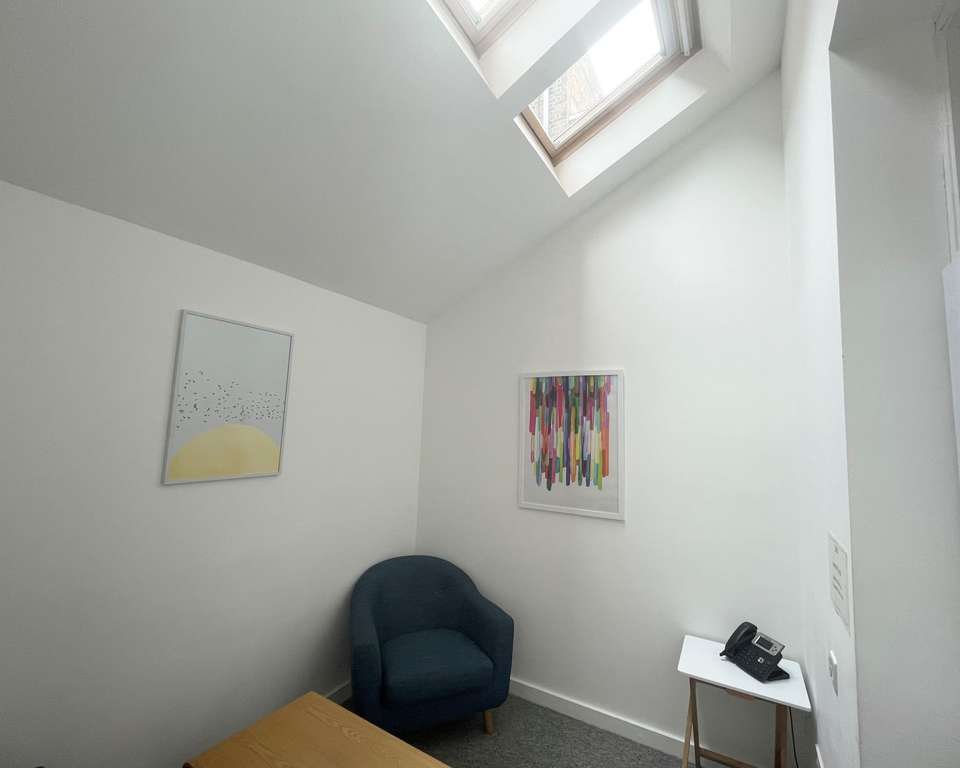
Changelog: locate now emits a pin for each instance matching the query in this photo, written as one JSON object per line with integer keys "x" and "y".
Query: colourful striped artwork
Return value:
{"x": 568, "y": 430}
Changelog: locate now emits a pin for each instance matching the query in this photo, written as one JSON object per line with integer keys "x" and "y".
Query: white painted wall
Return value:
{"x": 818, "y": 439}
{"x": 141, "y": 623}
{"x": 951, "y": 57}
{"x": 681, "y": 278}
{"x": 904, "y": 495}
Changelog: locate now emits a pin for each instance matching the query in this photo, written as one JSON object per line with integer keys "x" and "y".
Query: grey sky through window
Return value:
{"x": 630, "y": 47}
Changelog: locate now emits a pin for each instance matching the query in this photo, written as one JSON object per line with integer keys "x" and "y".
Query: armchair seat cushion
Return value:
{"x": 432, "y": 664}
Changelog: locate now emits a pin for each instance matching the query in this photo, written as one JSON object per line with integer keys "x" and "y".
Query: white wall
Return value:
{"x": 142, "y": 623}
{"x": 951, "y": 58}
{"x": 681, "y": 278}
{"x": 819, "y": 442}
{"x": 904, "y": 496}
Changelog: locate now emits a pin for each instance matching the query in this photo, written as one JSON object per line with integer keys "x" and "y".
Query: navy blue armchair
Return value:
{"x": 427, "y": 647}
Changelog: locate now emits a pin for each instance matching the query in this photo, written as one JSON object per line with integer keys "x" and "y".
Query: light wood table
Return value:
{"x": 313, "y": 732}
{"x": 700, "y": 661}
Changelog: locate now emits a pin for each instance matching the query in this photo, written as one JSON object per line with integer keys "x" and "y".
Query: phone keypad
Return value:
{"x": 754, "y": 664}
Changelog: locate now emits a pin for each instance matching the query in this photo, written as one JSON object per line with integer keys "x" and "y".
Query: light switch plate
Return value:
{"x": 839, "y": 580}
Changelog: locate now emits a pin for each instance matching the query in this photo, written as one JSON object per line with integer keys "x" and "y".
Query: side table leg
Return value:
{"x": 696, "y": 724}
{"x": 684, "y": 763}
{"x": 780, "y": 741}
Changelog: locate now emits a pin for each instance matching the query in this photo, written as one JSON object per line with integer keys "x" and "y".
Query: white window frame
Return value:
{"x": 483, "y": 32}
{"x": 676, "y": 22}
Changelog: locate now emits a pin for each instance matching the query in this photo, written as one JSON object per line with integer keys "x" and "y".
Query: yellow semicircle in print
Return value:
{"x": 226, "y": 451}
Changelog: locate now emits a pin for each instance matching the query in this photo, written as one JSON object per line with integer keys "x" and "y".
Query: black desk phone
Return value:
{"x": 755, "y": 653}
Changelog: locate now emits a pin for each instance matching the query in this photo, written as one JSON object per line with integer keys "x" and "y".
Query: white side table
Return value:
{"x": 700, "y": 661}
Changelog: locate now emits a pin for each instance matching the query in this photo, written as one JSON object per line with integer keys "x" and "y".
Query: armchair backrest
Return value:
{"x": 409, "y": 594}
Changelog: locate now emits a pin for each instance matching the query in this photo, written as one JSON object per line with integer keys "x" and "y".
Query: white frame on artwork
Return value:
{"x": 184, "y": 313}
{"x": 620, "y": 514}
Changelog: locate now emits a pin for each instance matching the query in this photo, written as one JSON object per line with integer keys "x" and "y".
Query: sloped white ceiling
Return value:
{"x": 346, "y": 143}
{"x": 858, "y": 18}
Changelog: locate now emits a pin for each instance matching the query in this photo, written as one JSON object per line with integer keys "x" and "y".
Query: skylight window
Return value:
{"x": 481, "y": 10}
{"x": 644, "y": 46}
{"x": 485, "y": 20}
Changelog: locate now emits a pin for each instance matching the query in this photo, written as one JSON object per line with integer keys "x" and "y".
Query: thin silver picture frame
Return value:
{"x": 184, "y": 314}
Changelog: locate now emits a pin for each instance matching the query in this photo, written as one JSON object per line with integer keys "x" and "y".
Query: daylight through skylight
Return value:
{"x": 483, "y": 21}
{"x": 481, "y": 9}
{"x": 628, "y": 49}
{"x": 632, "y": 53}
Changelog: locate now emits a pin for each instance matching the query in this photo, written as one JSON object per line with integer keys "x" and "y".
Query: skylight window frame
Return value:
{"x": 679, "y": 36}
{"x": 483, "y": 32}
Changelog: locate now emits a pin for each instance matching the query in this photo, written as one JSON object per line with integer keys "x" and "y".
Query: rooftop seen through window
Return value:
{"x": 632, "y": 53}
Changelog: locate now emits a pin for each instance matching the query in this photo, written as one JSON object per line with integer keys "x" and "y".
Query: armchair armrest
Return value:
{"x": 490, "y": 627}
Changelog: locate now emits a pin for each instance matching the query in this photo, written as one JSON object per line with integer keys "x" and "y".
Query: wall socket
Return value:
{"x": 834, "y": 672}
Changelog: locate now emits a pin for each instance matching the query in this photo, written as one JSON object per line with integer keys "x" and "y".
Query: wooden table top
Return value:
{"x": 313, "y": 732}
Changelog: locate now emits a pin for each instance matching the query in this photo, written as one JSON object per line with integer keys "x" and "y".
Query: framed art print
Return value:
{"x": 229, "y": 402}
{"x": 571, "y": 443}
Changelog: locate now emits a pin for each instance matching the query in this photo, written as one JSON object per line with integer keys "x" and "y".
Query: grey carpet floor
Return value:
{"x": 530, "y": 736}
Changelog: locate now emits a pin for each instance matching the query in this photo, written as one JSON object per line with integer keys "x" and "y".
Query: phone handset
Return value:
{"x": 755, "y": 653}
{"x": 740, "y": 637}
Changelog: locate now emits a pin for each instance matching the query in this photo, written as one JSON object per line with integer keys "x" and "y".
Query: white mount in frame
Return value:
{"x": 571, "y": 443}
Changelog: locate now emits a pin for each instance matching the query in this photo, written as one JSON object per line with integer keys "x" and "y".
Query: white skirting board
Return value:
{"x": 647, "y": 735}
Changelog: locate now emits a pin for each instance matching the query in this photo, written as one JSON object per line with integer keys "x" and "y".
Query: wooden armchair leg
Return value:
{"x": 488, "y": 722}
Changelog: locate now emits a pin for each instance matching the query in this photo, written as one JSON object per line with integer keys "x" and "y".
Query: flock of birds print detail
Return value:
{"x": 201, "y": 400}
